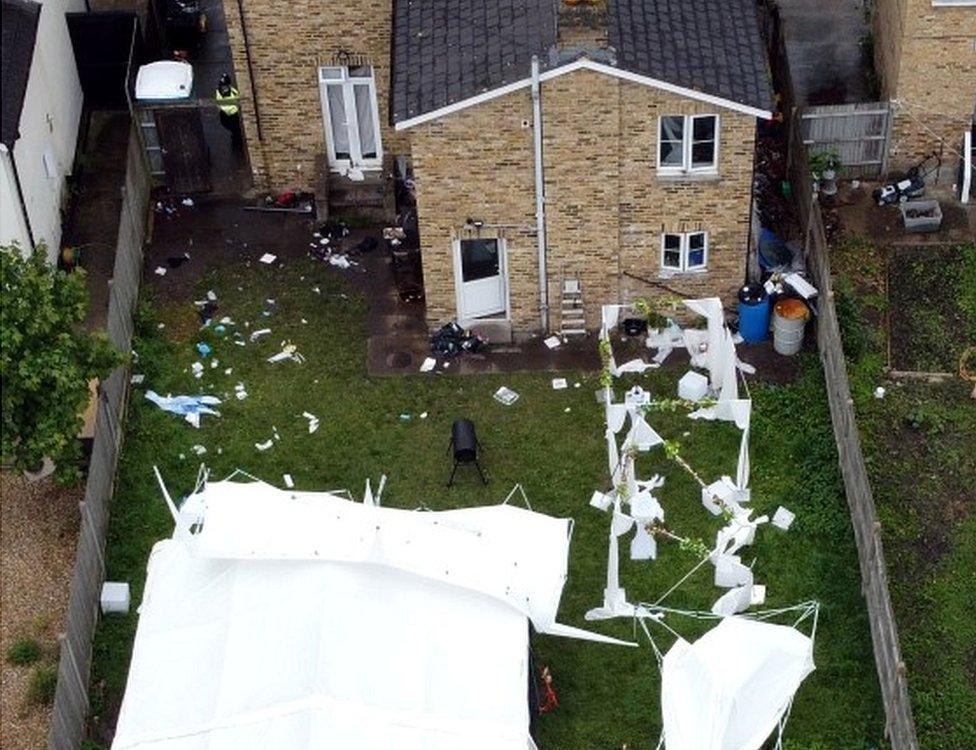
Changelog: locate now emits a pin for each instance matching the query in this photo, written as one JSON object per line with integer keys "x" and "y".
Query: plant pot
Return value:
{"x": 828, "y": 182}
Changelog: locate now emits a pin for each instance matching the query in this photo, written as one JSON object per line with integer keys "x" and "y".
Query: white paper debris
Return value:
{"x": 506, "y": 396}
{"x": 428, "y": 364}
{"x": 313, "y": 421}
{"x": 552, "y": 342}
{"x": 289, "y": 482}
{"x": 188, "y": 202}
{"x": 137, "y": 378}
{"x": 265, "y": 445}
{"x": 783, "y": 518}
{"x": 199, "y": 450}
{"x": 197, "y": 369}
{"x": 255, "y": 335}
{"x": 240, "y": 392}
{"x": 559, "y": 384}
{"x": 879, "y": 392}
{"x": 160, "y": 271}
{"x": 268, "y": 258}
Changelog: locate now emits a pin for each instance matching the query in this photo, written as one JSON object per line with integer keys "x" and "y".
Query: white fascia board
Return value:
{"x": 583, "y": 64}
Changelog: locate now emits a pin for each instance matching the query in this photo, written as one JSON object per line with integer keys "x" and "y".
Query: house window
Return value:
{"x": 687, "y": 143}
{"x": 684, "y": 252}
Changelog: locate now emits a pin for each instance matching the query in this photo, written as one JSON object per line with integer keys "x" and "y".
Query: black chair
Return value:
{"x": 464, "y": 444}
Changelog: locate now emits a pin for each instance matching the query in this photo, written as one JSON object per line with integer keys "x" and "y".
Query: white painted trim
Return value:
{"x": 583, "y": 64}
{"x": 686, "y": 168}
{"x": 347, "y": 82}
{"x": 967, "y": 166}
{"x": 684, "y": 251}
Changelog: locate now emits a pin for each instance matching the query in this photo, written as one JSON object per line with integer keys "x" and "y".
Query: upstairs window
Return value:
{"x": 687, "y": 143}
{"x": 684, "y": 252}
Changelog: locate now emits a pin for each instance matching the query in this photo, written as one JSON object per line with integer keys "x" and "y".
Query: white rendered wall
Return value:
{"x": 49, "y": 122}
{"x": 12, "y": 226}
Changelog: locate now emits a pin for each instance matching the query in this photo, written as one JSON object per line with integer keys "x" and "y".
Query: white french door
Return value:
{"x": 351, "y": 116}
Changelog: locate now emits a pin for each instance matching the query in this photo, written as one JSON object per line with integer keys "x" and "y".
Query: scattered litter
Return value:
{"x": 199, "y": 450}
{"x": 160, "y": 271}
{"x": 182, "y": 456}
{"x": 800, "y": 285}
{"x": 268, "y": 258}
{"x": 160, "y": 326}
{"x": 211, "y": 296}
{"x": 552, "y": 342}
{"x": 340, "y": 261}
{"x": 204, "y": 349}
{"x": 289, "y": 482}
{"x": 265, "y": 445}
{"x": 188, "y": 202}
{"x": 451, "y": 340}
{"x": 429, "y": 364}
{"x": 221, "y": 329}
{"x": 227, "y": 321}
{"x": 214, "y": 364}
{"x": 288, "y": 351}
{"x": 879, "y": 392}
{"x": 577, "y": 385}
{"x": 274, "y": 431}
{"x": 228, "y": 371}
{"x": 313, "y": 421}
{"x": 782, "y": 518}
{"x": 423, "y": 415}
{"x": 190, "y": 407}
{"x": 567, "y": 410}
{"x": 197, "y": 369}
{"x": 406, "y": 416}
{"x": 304, "y": 321}
{"x": 240, "y": 391}
{"x": 559, "y": 384}
{"x": 506, "y": 396}
{"x": 255, "y": 335}
{"x": 316, "y": 290}
{"x": 137, "y": 378}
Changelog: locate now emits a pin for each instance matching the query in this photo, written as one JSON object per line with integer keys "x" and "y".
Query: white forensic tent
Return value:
{"x": 732, "y": 688}
{"x": 304, "y": 620}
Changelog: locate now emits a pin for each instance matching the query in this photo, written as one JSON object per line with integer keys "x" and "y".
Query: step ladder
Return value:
{"x": 571, "y": 313}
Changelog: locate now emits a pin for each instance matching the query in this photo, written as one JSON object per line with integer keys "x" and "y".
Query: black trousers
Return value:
{"x": 233, "y": 125}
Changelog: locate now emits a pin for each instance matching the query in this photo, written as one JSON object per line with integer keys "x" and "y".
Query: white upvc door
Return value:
{"x": 351, "y": 116}
{"x": 481, "y": 278}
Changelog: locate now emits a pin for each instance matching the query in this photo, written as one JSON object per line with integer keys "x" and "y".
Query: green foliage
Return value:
{"x": 821, "y": 161}
{"x": 40, "y": 689}
{"x": 24, "y": 651}
{"x": 46, "y": 360}
{"x": 850, "y": 318}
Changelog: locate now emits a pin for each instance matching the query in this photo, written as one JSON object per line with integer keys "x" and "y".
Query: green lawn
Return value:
{"x": 609, "y": 695}
{"x": 919, "y": 442}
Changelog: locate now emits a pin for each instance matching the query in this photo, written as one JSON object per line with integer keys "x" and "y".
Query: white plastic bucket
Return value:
{"x": 788, "y": 324}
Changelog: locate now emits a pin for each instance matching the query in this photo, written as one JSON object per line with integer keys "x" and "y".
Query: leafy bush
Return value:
{"x": 850, "y": 318}
{"x": 24, "y": 651}
{"x": 40, "y": 689}
{"x": 46, "y": 361}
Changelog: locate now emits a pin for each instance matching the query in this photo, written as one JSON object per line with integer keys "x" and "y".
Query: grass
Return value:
{"x": 24, "y": 651}
{"x": 920, "y": 447}
{"x": 40, "y": 689}
{"x": 550, "y": 441}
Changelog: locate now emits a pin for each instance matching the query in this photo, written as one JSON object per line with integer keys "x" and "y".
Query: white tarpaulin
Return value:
{"x": 303, "y": 620}
{"x": 729, "y": 689}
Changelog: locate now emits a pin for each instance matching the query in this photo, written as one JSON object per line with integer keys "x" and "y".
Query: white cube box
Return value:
{"x": 693, "y": 386}
{"x": 115, "y": 597}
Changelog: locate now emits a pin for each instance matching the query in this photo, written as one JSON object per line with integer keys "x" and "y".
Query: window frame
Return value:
{"x": 687, "y": 143}
{"x": 684, "y": 253}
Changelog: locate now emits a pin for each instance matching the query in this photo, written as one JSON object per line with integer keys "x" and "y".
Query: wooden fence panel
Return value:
{"x": 859, "y": 133}
{"x": 69, "y": 715}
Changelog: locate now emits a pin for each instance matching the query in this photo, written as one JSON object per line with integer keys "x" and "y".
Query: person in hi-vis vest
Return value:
{"x": 230, "y": 110}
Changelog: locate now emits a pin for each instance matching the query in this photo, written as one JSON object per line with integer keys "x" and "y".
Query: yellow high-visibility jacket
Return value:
{"x": 231, "y": 108}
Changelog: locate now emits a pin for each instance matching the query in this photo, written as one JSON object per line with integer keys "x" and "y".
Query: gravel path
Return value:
{"x": 38, "y": 531}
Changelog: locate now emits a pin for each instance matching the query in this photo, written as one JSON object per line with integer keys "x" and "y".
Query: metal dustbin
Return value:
{"x": 790, "y": 317}
{"x": 921, "y": 216}
{"x": 753, "y": 313}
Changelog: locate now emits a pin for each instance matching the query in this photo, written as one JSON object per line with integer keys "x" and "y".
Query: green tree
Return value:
{"x": 46, "y": 358}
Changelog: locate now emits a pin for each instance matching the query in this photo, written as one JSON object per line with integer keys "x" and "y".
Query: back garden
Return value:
{"x": 913, "y": 310}
{"x": 549, "y": 441}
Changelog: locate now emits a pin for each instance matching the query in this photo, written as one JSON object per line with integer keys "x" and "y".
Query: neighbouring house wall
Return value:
{"x": 288, "y": 43}
{"x": 605, "y": 206}
{"x": 926, "y": 59}
{"x": 12, "y": 226}
{"x": 49, "y": 123}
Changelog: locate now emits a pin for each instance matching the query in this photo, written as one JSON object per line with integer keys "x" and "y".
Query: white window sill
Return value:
{"x": 703, "y": 176}
{"x": 674, "y": 274}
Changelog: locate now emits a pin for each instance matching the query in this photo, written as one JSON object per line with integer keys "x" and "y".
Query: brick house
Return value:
{"x": 604, "y": 143}
{"x": 925, "y": 57}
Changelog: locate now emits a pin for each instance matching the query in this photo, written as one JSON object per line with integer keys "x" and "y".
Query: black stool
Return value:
{"x": 465, "y": 445}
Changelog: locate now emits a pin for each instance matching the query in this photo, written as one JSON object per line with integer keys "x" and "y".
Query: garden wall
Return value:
{"x": 70, "y": 710}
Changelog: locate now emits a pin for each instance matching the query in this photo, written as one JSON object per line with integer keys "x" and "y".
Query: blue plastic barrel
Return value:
{"x": 753, "y": 313}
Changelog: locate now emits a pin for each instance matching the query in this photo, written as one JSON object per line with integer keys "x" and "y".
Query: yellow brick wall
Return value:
{"x": 288, "y": 42}
{"x": 925, "y": 57}
{"x": 606, "y": 207}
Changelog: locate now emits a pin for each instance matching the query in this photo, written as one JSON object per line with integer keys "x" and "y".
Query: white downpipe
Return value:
{"x": 967, "y": 166}
{"x": 540, "y": 196}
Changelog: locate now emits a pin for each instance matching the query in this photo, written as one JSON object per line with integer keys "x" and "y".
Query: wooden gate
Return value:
{"x": 859, "y": 133}
{"x": 183, "y": 148}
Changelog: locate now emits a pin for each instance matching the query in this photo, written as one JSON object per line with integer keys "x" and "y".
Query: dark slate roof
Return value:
{"x": 19, "y": 19}
{"x": 712, "y": 46}
{"x": 445, "y": 51}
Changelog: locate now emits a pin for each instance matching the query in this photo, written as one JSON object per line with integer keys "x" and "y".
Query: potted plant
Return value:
{"x": 823, "y": 167}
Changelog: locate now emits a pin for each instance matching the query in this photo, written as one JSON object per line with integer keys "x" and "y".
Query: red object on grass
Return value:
{"x": 550, "y": 701}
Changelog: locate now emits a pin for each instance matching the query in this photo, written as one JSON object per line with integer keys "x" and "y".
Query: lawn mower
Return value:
{"x": 910, "y": 188}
